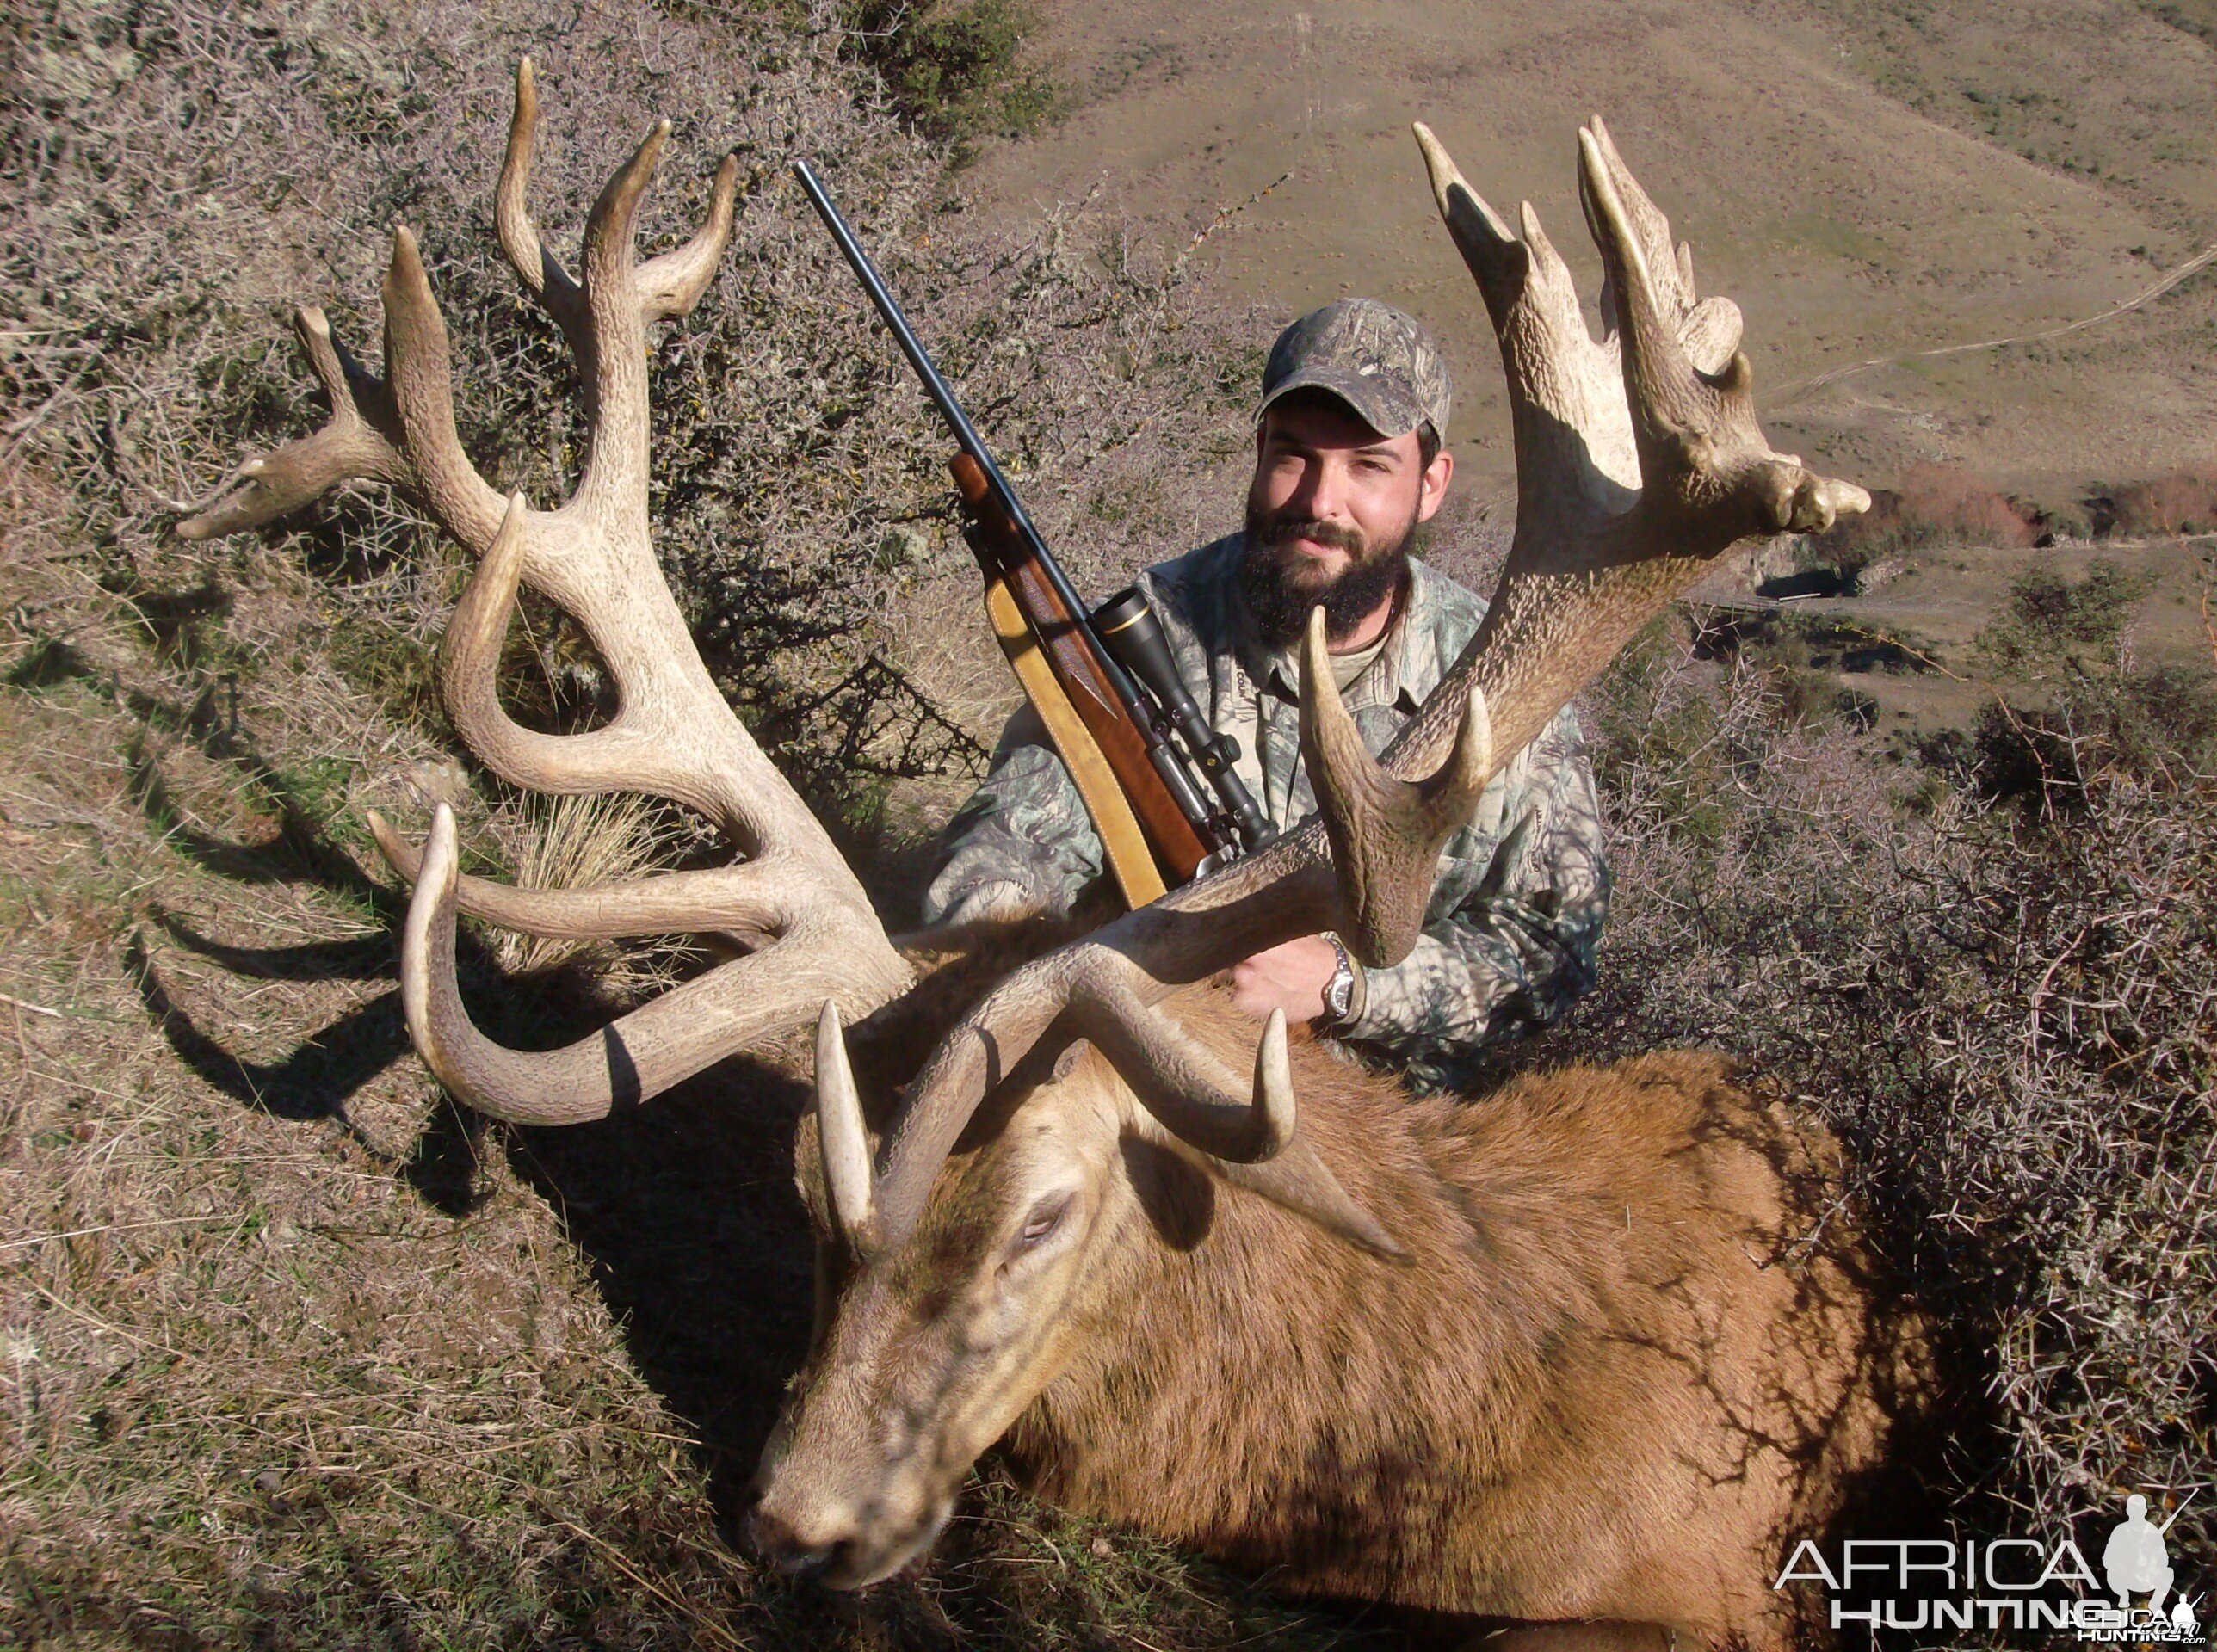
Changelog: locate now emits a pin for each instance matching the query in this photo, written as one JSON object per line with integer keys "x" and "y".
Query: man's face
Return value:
{"x": 1329, "y": 513}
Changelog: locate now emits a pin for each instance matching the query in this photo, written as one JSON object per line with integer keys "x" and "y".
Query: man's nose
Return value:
{"x": 1322, "y": 495}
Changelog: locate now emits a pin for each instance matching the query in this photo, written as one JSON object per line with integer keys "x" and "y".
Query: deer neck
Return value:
{"x": 1240, "y": 1380}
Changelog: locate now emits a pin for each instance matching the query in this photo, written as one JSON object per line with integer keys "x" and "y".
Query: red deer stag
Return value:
{"x": 1573, "y": 1353}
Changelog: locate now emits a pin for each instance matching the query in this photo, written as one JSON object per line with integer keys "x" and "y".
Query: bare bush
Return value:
{"x": 1933, "y": 504}
{"x": 1947, "y": 503}
{"x": 2183, "y": 502}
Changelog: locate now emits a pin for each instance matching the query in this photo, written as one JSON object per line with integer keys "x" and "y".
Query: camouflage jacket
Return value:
{"x": 1522, "y": 890}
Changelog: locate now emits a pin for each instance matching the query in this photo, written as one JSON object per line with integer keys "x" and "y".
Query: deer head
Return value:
{"x": 962, "y": 1248}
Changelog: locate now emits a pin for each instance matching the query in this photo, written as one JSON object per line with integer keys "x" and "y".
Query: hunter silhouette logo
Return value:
{"x": 2135, "y": 1561}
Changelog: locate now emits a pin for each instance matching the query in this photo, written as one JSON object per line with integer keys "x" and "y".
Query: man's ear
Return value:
{"x": 1432, "y": 490}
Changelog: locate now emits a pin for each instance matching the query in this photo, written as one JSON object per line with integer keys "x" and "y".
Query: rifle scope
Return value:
{"x": 1128, "y": 629}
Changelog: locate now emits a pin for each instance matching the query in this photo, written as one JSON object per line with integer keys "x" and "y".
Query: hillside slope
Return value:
{"x": 1867, "y": 177}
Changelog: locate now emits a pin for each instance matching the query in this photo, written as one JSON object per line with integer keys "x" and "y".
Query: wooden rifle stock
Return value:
{"x": 1070, "y": 652}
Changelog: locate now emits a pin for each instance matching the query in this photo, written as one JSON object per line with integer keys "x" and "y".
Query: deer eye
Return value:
{"x": 1046, "y": 1216}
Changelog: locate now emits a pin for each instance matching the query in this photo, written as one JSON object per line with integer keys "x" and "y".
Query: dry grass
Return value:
{"x": 571, "y": 843}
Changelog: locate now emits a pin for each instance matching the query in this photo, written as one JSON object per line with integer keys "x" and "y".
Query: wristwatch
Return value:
{"x": 1339, "y": 991}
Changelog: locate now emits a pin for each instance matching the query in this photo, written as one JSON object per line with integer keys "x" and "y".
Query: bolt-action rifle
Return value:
{"x": 1105, "y": 685}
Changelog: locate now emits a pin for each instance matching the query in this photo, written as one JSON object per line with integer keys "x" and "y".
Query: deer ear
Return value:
{"x": 1296, "y": 1179}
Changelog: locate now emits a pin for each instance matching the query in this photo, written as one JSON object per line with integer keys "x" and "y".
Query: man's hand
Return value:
{"x": 1291, "y": 977}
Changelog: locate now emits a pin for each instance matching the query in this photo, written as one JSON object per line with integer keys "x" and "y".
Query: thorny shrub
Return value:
{"x": 953, "y": 70}
{"x": 185, "y": 172}
{"x": 2099, "y": 714}
{"x": 2053, "y": 623}
{"x": 2010, "y": 1019}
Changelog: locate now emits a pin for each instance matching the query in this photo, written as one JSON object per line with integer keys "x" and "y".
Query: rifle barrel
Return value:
{"x": 967, "y": 436}
{"x": 942, "y": 395}
{"x": 889, "y": 309}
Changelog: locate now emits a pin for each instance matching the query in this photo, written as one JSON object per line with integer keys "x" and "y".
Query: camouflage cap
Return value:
{"x": 1381, "y": 363}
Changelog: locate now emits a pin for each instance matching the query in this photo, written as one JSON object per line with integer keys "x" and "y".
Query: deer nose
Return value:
{"x": 784, "y": 1546}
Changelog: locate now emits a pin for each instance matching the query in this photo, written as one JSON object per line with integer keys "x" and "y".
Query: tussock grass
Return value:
{"x": 571, "y": 843}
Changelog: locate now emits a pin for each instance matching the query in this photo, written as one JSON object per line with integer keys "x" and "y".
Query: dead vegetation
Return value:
{"x": 296, "y": 1354}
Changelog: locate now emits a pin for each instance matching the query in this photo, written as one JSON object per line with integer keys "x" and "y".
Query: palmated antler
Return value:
{"x": 792, "y": 897}
{"x": 1638, "y": 460}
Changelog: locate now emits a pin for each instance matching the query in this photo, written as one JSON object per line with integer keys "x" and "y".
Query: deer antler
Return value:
{"x": 674, "y": 736}
{"x": 1638, "y": 460}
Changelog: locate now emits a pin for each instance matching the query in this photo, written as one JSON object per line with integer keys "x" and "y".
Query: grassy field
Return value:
{"x": 296, "y": 1353}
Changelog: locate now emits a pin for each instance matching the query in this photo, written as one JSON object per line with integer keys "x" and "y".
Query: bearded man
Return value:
{"x": 1349, "y": 464}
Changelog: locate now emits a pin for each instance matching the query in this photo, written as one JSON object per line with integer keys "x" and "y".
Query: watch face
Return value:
{"x": 1336, "y": 994}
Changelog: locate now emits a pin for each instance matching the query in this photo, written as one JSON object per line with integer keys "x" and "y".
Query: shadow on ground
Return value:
{"x": 685, "y": 1206}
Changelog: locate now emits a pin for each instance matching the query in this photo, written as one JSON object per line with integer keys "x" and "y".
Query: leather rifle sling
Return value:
{"x": 1129, "y": 858}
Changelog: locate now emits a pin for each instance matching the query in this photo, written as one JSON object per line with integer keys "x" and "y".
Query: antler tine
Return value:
{"x": 1602, "y": 544}
{"x": 1255, "y": 1144}
{"x": 621, "y": 297}
{"x": 1179, "y": 1082}
{"x": 1285, "y": 891}
{"x": 1646, "y": 231}
{"x": 741, "y": 900}
{"x": 1386, "y": 832}
{"x": 671, "y": 283}
{"x": 1576, "y": 463}
{"x": 668, "y": 285}
{"x": 361, "y": 439}
{"x": 419, "y": 375}
{"x": 1710, "y": 478}
{"x": 635, "y": 752}
{"x": 842, "y": 1136}
{"x": 1708, "y": 330}
{"x": 535, "y": 267}
{"x": 1499, "y": 262}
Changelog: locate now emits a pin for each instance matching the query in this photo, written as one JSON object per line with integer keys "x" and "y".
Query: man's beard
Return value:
{"x": 1280, "y": 605}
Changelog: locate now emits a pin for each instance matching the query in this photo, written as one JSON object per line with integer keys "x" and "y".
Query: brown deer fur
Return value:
{"x": 1625, "y": 1362}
